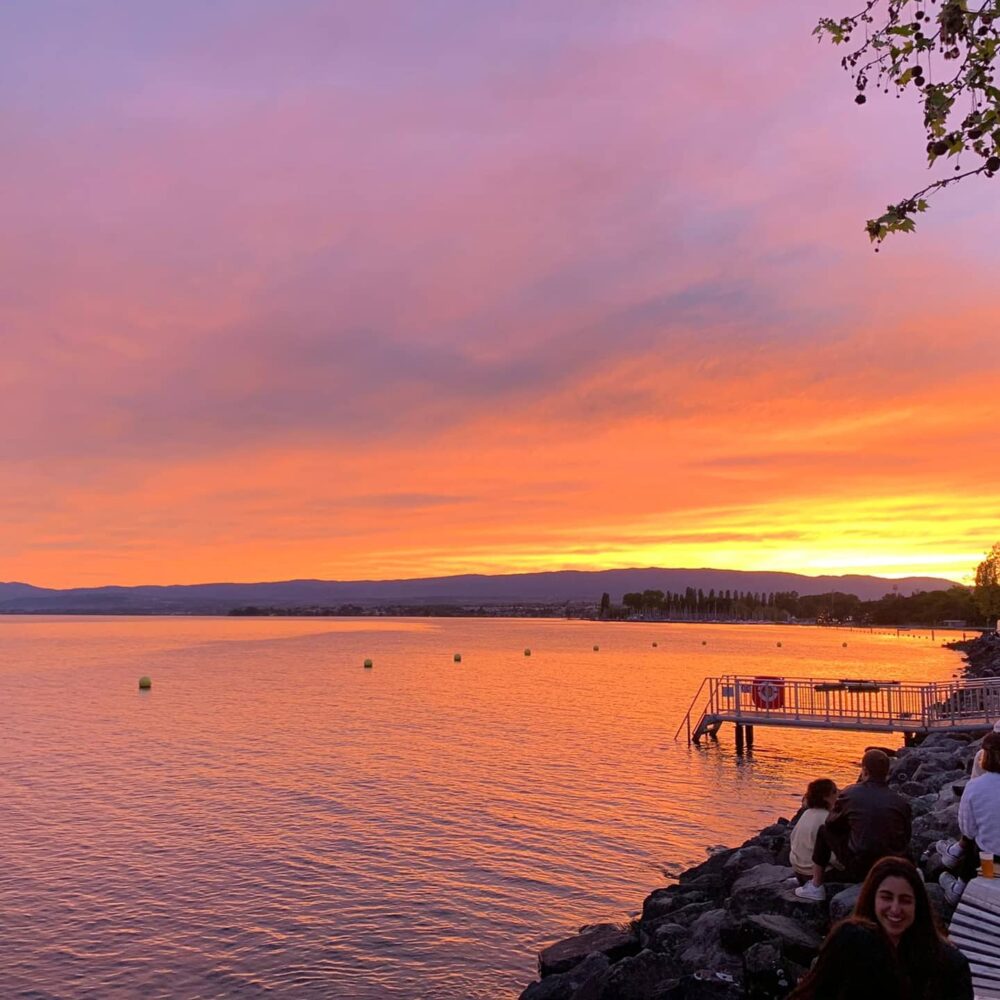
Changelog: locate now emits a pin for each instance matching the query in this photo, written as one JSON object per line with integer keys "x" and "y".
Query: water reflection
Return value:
{"x": 271, "y": 817}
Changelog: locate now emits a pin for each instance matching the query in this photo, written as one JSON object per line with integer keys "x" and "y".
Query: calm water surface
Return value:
{"x": 272, "y": 819}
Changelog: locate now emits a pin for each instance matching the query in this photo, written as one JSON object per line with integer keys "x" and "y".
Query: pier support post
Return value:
{"x": 739, "y": 737}
{"x": 749, "y": 737}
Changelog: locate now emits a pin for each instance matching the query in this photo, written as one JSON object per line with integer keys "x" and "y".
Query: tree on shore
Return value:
{"x": 945, "y": 57}
{"x": 987, "y": 589}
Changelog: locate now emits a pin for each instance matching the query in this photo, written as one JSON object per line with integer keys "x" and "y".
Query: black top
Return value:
{"x": 877, "y": 820}
{"x": 858, "y": 963}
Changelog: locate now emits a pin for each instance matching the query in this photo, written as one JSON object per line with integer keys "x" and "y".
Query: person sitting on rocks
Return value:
{"x": 953, "y": 851}
{"x": 977, "y": 763}
{"x": 890, "y": 948}
{"x": 819, "y": 798}
{"x": 867, "y": 822}
{"x": 978, "y": 819}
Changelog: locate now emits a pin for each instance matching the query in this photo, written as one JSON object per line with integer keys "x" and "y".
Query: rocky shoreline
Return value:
{"x": 732, "y": 927}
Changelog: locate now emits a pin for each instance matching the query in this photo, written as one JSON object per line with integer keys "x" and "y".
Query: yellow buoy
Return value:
{"x": 596, "y": 648}
{"x": 779, "y": 645}
{"x": 527, "y": 652}
{"x": 368, "y": 664}
{"x": 145, "y": 683}
{"x": 704, "y": 642}
{"x": 844, "y": 644}
{"x": 457, "y": 657}
{"x": 654, "y": 643}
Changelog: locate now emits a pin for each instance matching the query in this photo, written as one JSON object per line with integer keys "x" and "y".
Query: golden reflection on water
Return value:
{"x": 272, "y": 817}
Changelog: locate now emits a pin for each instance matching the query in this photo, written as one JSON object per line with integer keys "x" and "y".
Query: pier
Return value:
{"x": 875, "y": 706}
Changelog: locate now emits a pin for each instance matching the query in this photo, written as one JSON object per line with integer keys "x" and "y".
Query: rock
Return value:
{"x": 764, "y": 975}
{"x": 564, "y": 986}
{"x": 779, "y": 829}
{"x": 939, "y": 904}
{"x": 703, "y": 986}
{"x": 640, "y": 977}
{"x": 744, "y": 860}
{"x": 705, "y": 949}
{"x": 760, "y": 876}
{"x": 713, "y": 866}
{"x": 913, "y": 788}
{"x": 936, "y": 777}
{"x": 778, "y": 898}
{"x": 843, "y": 903}
{"x": 664, "y": 935}
{"x": 923, "y": 804}
{"x": 692, "y": 912}
{"x": 798, "y": 942}
{"x": 666, "y": 901}
{"x": 611, "y": 940}
{"x": 946, "y": 741}
{"x": 708, "y": 883}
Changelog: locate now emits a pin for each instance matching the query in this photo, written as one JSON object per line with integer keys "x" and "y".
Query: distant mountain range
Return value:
{"x": 475, "y": 589}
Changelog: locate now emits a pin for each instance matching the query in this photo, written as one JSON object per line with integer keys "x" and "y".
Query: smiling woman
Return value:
{"x": 891, "y": 948}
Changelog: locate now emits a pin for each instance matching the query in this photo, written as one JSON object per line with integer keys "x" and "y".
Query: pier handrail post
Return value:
{"x": 687, "y": 717}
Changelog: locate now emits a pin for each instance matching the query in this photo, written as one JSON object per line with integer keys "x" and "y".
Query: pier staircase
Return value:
{"x": 875, "y": 706}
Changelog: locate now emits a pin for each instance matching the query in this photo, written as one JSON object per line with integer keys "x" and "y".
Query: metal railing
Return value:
{"x": 847, "y": 703}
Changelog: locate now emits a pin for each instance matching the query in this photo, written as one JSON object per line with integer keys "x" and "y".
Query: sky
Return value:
{"x": 338, "y": 290}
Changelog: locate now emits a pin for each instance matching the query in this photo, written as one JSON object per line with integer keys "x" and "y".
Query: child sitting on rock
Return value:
{"x": 819, "y": 798}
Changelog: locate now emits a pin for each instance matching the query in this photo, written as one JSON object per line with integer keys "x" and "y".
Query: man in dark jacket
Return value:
{"x": 867, "y": 822}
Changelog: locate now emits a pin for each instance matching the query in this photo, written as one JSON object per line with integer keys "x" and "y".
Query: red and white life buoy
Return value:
{"x": 768, "y": 692}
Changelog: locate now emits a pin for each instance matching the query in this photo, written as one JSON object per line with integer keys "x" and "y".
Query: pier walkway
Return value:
{"x": 859, "y": 705}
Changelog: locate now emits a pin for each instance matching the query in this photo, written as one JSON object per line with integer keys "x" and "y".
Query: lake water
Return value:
{"x": 272, "y": 819}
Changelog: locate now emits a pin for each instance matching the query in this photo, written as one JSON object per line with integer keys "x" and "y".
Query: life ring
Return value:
{"x": 768, "y": 692}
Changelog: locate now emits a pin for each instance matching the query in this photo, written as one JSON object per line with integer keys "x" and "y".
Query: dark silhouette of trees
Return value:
{"x": 987, "y": 589}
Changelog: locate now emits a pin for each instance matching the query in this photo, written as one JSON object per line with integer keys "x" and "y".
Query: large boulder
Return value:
{"x": 704, "y": 986}
{"x": 765, "y": 975}
{"x": 664, "y": 935}
{"x": 565, "y": 985}
{"x": 640, "y": 977}
{"x": 843, "y": 903}
{"x": 611, "y": 940}
{"x": 705, "y": 947}
{"x": 713, "y": 866}
{"x": 796, "y": 941}
{"x": 743, "y": 860}
{"x": 769, "y": 889}
{"x": 663, "y": 902}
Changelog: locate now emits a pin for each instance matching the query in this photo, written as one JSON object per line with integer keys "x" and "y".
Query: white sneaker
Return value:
{"x": 951, "y": 853}
{"x": 953, "y": 887}
{"x": 816, "y": 893}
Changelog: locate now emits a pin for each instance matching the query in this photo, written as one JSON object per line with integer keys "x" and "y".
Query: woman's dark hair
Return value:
{"x": 991, "y": 752}
{"x": 919, "y": 951}
{"x": 855, "y": 963}
{"x": 818, "y": 792}
{"x": 859, "y": 943}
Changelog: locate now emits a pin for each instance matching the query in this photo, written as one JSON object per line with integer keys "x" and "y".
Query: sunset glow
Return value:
{"x": 389, "y": 290}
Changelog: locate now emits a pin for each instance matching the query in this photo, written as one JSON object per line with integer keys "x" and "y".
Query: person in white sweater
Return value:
{"x": 978, "y": 819}
{"x": 977, "y": 763}
{"x": 818, "y": 800}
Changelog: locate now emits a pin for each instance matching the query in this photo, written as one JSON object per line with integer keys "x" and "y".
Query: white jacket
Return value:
{"x": 979, "y": 811}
